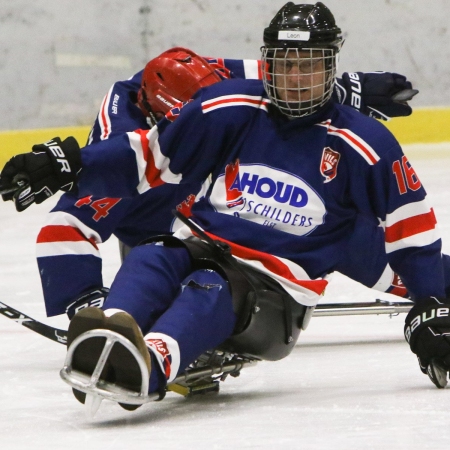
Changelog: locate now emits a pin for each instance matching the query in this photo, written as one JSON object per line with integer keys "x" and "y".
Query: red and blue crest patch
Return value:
{"x": 329, "y": 164}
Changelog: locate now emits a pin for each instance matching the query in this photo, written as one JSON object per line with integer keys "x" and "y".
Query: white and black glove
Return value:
{"x": 381, "y": 95}
{"x": 33, "y": 177}
{"x": 427, "y": 330}
{"x": 94, "y": 299}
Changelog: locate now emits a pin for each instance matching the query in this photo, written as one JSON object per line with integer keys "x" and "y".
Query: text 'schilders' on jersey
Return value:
{"x": 289, "y": 209}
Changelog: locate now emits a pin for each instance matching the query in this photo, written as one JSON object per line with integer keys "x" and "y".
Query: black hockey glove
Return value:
{"x": 95, "y": 298}
{"x": 33, "y": 177}
{"x": 381, "y": 95}
{"x": 427, "y": 329}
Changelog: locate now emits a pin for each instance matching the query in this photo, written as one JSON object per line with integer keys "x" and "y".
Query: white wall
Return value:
{"x": 59, "y": 57}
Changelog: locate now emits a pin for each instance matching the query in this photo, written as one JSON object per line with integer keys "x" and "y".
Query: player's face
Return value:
{"x": 299, "y": 75}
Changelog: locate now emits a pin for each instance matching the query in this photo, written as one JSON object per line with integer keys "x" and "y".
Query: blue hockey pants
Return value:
{"x": 182, "y": 312}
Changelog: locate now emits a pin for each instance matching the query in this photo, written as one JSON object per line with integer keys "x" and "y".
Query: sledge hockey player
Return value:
{"x": 291, "y": 172}
{"x": 67, "y": 243}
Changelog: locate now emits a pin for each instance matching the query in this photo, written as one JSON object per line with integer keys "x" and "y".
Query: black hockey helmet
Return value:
{"x": 303, "y": 25}
{"x": 302, "y": 43}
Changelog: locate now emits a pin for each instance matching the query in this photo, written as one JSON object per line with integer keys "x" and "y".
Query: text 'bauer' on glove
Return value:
{"x": 381, "y": 95}
{"x": 39, "y": 174}
{"x": 427, "y": 330}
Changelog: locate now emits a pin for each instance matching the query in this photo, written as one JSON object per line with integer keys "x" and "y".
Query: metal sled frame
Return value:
{"x": 349, "y": 309}
{"x": 202, "y": 376}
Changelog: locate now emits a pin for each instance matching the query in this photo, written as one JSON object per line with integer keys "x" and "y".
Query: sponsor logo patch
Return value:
{"x": 268, "y": 196}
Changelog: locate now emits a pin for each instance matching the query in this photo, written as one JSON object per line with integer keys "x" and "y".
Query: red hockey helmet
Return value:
{"x": 173, "y": 77}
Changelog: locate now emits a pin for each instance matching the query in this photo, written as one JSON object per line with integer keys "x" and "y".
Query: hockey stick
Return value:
{"x": 10, "y": 190}
{"x": 55, "y": 334}
{"x": 326, "y": 309}
{"x": 405, "y": 95}
{"x": 20, "y": 181}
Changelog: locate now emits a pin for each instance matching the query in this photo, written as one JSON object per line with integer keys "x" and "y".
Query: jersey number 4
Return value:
{"x": 405, "y": 175}
{"x": 100, "y": 206}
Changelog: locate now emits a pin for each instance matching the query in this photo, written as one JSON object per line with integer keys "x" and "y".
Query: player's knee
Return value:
{"x": 210, "y": 301}
{"x": 205, "y": 279}
{"x": 209, "y": 289}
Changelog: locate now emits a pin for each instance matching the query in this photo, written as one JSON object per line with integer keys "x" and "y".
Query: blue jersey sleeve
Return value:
{"x": 118, "y": 111}
{"x": 384, "y": 184}
{"x": 412, "y": 239}
{"x": 67, "y": 249}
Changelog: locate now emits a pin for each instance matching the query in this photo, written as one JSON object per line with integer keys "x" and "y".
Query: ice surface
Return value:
{"x": 350, "y": 383}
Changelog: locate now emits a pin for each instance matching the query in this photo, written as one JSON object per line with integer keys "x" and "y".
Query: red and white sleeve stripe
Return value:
{"x": 64, "y": 234}
{"x": 152, "y": 165}
{"x": 411, "y": 225}
{"x": 104, "y": 120}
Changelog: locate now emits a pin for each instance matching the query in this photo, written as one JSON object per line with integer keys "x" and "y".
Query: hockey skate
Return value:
{"x": 106, "y": 358}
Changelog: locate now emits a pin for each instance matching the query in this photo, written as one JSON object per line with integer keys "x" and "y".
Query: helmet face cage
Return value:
{"x": 302, "y": 43}
{"x": 299, "y": 81}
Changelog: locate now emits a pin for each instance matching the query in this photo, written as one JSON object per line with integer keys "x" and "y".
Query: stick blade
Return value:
{"x": 405, "y": 95}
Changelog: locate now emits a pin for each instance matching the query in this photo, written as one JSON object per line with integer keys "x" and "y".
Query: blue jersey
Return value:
{"x": 68, "y": 242}
{"x": 285, "y": 194}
